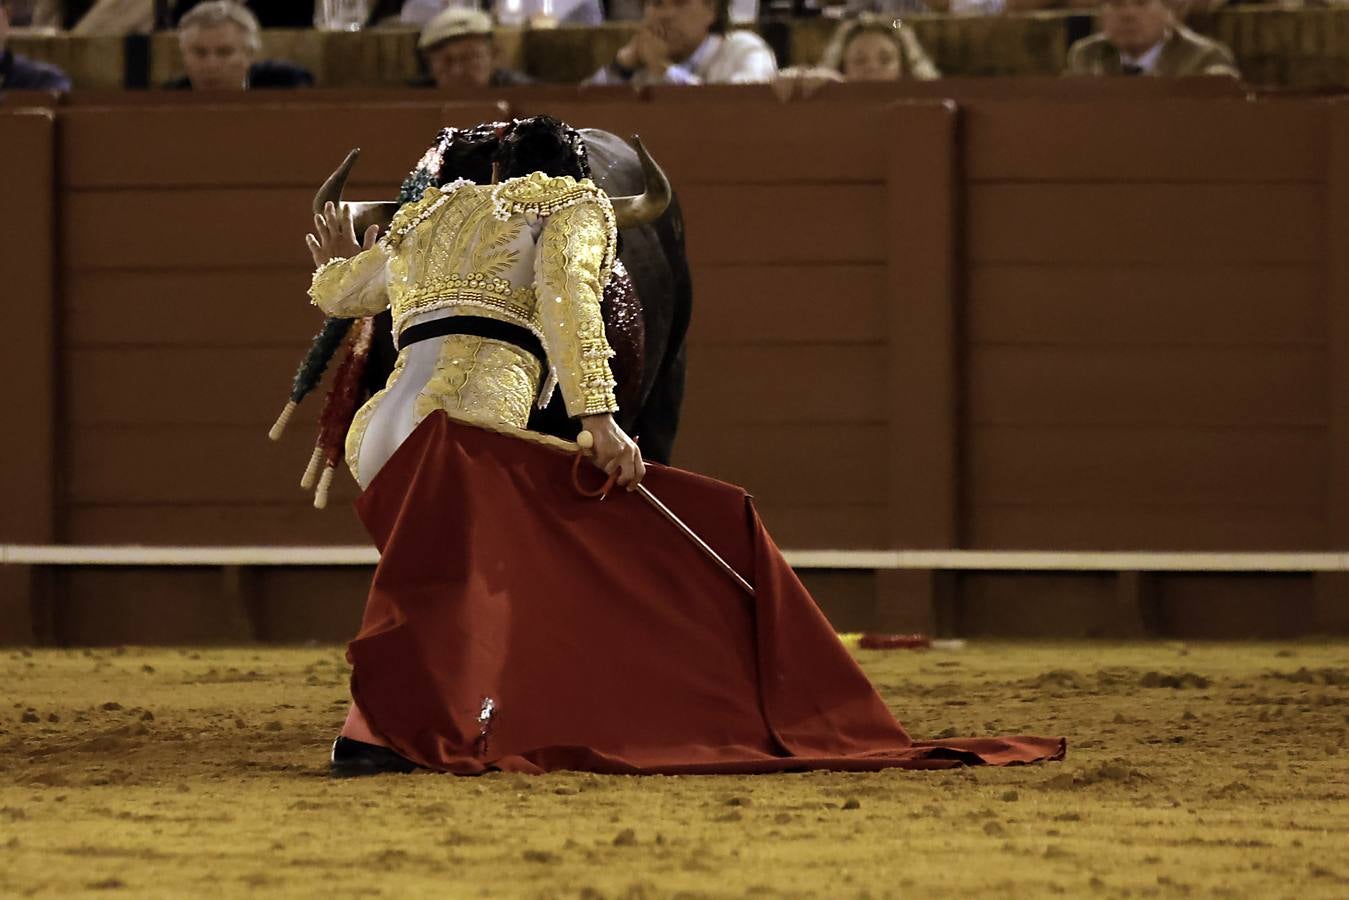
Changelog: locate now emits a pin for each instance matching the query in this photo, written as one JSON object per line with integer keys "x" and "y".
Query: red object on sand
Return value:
{"x": 515, "y": 625}
{"x": 871, "y": 641}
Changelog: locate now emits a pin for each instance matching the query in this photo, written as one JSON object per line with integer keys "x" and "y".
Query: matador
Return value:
{"x": 515, "y": 622}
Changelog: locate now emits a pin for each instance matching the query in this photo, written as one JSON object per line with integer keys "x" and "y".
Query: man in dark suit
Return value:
{"x": 22, "y": 74}
{"x": 1142, "y": 37}
{"x": 220, "y": 41}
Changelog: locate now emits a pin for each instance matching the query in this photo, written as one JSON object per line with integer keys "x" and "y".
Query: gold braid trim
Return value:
{"x": 351, "y": 287}
{"x": 540, "y": 195}
{"x": 534, "y": 437}
{"x": 410, "y": 215}
{"x": 576, "y": 246}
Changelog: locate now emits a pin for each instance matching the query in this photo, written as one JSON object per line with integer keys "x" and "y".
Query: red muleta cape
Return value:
{"x": 605, "y": 641}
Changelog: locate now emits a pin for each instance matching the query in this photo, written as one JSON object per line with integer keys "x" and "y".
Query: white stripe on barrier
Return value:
{"x": 954, "y": 560}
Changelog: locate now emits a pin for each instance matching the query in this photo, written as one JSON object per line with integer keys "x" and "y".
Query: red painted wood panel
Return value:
{"x": 28, "y": 367}
{"x": 1193, "y": 386}
{"x": 1142, "y": 305}
{"x": 1115, "y": 466}
{"x": 1127, "y": 224}
{"x": 1146, "y": 141}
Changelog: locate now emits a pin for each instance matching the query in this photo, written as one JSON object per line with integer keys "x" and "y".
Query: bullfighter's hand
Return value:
{"x": 614, "y": 451}
{"x": 335, "y": 235}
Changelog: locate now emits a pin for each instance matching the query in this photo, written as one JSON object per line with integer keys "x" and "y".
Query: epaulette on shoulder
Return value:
{"x": 542, "y": 195}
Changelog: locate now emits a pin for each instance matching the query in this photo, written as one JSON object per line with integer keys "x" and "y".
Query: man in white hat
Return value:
{"x": 459, "y": 52}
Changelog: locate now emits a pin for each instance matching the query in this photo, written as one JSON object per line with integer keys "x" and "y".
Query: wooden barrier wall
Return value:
{"x": 982, "y": 322}
{"x": 1147, "y": 344}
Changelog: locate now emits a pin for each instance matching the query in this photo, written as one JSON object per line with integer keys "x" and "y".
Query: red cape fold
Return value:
{"x": 605, "y": 640}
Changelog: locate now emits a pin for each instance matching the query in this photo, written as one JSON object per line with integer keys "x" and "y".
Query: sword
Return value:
{"x": 585, "y": 440}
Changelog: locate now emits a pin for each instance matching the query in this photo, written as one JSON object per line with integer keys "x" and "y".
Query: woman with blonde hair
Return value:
{"x": 873, "y": 48}
{"x": 866, "y": 48}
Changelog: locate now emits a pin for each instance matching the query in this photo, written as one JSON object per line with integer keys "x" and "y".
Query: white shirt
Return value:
{"x": 1147, "y": 61}
{"x": 738, "y": 57}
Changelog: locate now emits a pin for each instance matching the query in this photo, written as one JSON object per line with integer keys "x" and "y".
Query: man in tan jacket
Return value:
{"x": 1142, "y": 37}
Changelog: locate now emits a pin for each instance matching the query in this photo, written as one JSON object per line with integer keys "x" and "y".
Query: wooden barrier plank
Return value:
{"x": 291, "y": 523}
{"x": 822, "y": 527}
{"x": 922, "y": 381}
{"x": 250, "y": 145}
{"x": 152, "y": 606}
{"x": 821, "y": 384}
{"x": 245, "y": 385}
{"x": 178, "y": 386}
{"x": 787, "y": 223}
{"x": 1337, "y": 325}
{"x": 1096, "y": 526}
{"x": 805, "y": 527}
{"x": 269, "y": 307}
{"x": 180, "y": 307}
{"x": 798, "y": 464}
{"x": 247, "y": 228}
{"x": 1131, "y": 466}
{"x": 186, "y": 229}
{"x": 28, "y": 367}
{"x": 1145, "y": 141}
{"x": 1148, "y": 385}
{"x": 1145, "y": 223}
{"x": 755, "y": 304}
{"x": 1104, "y": 304}
{"x": 745, "y": 144}
{"x": 206, "y": 465}
{"x": 11, "y": 99}
{"x": 201, "y": 465}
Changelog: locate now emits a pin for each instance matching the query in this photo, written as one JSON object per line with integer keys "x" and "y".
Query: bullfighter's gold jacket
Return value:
{"x": 533, "y": 251}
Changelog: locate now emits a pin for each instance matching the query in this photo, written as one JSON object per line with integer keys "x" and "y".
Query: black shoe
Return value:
{"x": 351, "y": 758}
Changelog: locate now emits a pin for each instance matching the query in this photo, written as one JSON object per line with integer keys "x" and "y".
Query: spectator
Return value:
{"x": 1142, "y": 37}
{"x": 878, "y": 49}
{"x": 220, "y": 41}
{"x": 688, "y": 42}
{"x": 868, "y": 48}
{"x": 459, "y": 52}
{"x": 21, "y": 73}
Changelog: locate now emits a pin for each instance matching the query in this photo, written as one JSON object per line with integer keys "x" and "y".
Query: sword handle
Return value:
{"x": 602, "y": 492}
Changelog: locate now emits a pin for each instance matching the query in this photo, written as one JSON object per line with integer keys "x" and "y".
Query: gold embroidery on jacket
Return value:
{"x": 573, "y": 253}
{"x": 481, "y": 379}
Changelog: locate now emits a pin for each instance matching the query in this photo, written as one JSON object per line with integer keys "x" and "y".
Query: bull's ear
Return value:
{"x": 363, "y": 215}
{"x": 650, "y": 205}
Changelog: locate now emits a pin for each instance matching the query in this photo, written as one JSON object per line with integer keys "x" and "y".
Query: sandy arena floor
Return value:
{"x": 1207, "y": 770}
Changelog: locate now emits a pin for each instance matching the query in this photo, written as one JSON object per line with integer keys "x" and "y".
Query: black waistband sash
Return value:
{"x": 478, "y": 326}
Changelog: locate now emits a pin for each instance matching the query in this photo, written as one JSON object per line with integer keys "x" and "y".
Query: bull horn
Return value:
{"x": 650, "y": 205}
{"x": 363, "y": 215}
